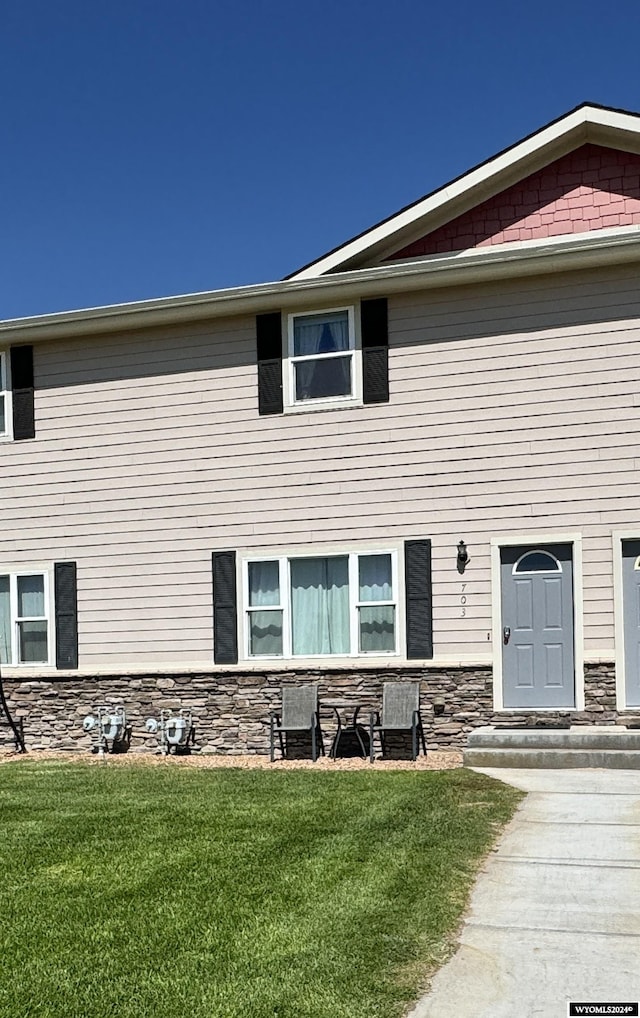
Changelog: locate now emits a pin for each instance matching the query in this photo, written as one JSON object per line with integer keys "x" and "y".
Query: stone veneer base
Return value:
{"x": 231, "y": 709}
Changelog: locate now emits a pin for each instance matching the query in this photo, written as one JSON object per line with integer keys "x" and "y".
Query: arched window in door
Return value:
{"x": 537, "y": 561}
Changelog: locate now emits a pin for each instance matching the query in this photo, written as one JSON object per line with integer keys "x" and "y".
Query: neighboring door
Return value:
{"x": 537, "y": 626}
{"x": 631, "y": 615}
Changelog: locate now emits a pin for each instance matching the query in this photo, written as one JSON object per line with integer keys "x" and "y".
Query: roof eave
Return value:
{"x": 464, "y": 268}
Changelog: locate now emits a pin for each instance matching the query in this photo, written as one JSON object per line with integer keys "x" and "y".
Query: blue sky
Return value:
{"x": 153, "y": 148}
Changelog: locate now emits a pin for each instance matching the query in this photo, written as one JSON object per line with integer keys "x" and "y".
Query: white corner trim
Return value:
{"x": 511, "y": 540}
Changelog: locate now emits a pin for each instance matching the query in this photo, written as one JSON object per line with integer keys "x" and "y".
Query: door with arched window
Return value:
{"x": 537, "y": 626}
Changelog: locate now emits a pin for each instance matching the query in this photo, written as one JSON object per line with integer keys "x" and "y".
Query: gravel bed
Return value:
{"x": 438, "y": 760}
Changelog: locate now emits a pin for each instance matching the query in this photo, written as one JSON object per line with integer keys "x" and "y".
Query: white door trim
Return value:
{"x": 509, "y": 540}
{"x": 617, "y": 537}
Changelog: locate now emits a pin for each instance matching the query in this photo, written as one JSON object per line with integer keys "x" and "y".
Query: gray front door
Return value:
{"x": 631, "y": 602}
{"x": 537, "y": 626}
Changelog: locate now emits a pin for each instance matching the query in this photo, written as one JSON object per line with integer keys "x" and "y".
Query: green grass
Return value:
{"x": 161, "y": 891}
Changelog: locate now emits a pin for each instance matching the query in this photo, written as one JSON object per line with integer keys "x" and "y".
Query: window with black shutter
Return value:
{"x": 27, "y": 626}
{"x": 332, "y": 357}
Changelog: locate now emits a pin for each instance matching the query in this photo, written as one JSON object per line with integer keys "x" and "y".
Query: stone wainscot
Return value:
{"x": 231, "y": 709}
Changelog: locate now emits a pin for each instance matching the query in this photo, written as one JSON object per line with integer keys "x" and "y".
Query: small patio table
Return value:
{"x": 351, "y": 738}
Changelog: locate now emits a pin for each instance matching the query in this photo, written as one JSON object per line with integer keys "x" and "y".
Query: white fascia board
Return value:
{"x": 599, "y": 248}
{"x": 576, "y": 127}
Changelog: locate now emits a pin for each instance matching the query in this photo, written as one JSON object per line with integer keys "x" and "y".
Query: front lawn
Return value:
{"x": 161, "y": 891}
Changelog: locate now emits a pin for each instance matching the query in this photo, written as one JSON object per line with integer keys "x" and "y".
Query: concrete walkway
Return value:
{"x": 555, "y": 913}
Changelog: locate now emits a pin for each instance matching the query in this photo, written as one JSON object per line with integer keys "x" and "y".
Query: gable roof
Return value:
{"x": 588, "y": 123}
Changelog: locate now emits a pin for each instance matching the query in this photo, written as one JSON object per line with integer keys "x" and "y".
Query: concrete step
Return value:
{"x": 614, "y": 746}
{"x": 621, "y": 759}
{"x": 613, "y": 737}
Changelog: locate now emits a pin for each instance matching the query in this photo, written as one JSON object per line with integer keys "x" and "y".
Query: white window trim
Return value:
{"x": 291, "y": 405}
{"x": 5, "y": 390}
{"x": 354, "y": 604}
{"x": 13, "y": 573}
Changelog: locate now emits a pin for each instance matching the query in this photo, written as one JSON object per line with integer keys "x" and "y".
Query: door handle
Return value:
{"x": 506, "y": 634}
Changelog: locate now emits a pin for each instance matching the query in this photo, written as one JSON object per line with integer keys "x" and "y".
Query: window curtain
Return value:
{"x": 33, "y": 635}
{"x": 377, "y": 623}
{"x": 320, "y": 605}
{"x": 265, "y": 626}
{"x": 30, "y": 596}
{"x": 5, "y": 621}
{"x": 264, "y": 584}
{"x": 375, "y": 578}
{"x": 322, "y": 334}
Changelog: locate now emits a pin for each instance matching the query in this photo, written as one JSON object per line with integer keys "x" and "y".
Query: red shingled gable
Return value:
{"x": 592, "y": 188}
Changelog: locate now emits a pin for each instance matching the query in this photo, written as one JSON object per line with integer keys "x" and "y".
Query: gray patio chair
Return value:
{"x": 400, "y": 713}
{"x": 299, "y": 715}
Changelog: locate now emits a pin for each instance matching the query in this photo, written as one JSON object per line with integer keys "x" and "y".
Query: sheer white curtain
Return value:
{"x": 375, "y": 578}
{"x": 377, "y": 622}
{"x": 320, "y": 605}
{"x": 327, "y": 376}
{"x": 266, "y": 625}
{"x": 5, "y": 621}
{"x": 33, "y": 635}
{"x": 30, "y": 596}
{"x": 321, "y": 334}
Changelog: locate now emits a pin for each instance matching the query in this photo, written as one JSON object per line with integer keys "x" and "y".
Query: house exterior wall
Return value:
{"x": 591, "y": 188}
{"x": 513, "y": 411}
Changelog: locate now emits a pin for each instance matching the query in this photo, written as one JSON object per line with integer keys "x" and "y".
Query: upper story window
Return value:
{"x": 5, "y": 396}
{"x": 323, "y": 359}
{"x": 25, "y": 631}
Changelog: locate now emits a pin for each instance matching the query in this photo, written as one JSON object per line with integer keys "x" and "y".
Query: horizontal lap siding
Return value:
{"x": 540, "y": 383}
{"x": 513, "y": 410}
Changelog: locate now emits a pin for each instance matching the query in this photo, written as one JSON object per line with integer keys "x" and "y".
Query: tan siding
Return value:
{"x": 513, "y": 410}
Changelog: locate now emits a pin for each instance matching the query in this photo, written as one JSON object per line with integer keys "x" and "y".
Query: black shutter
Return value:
{"x": 22, "y": 386}
{"x": 225, "y": 612}
{"x": 417, "y": 576}
{"x": 66, "y": 608}
{"x": 375, "y": 350}
{"x": 269, "y": 335}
